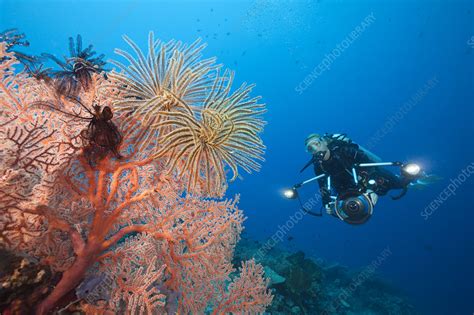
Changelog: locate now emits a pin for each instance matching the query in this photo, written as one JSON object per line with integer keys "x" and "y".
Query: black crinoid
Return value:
{"x": 77, "y": 69}
{"x": 101, "y": 135}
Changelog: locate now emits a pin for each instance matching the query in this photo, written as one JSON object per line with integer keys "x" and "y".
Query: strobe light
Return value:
{"x": 290, "y": 193}
{"x": 411, "y": 170}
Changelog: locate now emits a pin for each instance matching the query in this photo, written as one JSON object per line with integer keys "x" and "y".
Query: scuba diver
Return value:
{"x": 351, "y": 178}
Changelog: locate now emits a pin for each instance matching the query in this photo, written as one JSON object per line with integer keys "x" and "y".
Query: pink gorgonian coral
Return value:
{"x": 123, "y": 231}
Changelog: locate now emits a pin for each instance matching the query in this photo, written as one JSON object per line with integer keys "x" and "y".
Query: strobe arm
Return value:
{"x": 410, "y": 171}
{"x": 362, "y": 165}
{"x": 379, "y": 164}
{"x": 296, "y": 186}
{"x": 292, "y": 193}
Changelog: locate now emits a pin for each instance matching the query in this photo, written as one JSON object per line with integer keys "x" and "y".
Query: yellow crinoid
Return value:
{"x": 191, "y": 116}
{"x": 171, "y": 76}
{"x": 225, "y": 131}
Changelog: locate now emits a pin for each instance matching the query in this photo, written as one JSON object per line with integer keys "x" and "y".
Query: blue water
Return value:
{"x": 277, "y": 44}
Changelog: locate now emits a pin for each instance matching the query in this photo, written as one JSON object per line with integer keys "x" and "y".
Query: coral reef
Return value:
{"x": 312, "y": 286}
{"x": 23, "y": 282}
{"x": 123, "y": 231}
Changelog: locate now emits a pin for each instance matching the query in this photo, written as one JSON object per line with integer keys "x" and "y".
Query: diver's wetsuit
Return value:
{"x": 343, "y": 156}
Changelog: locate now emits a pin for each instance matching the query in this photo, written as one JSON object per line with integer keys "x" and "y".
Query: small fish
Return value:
{"x": 290, "y": 238}
{"x": 88, "y": 285}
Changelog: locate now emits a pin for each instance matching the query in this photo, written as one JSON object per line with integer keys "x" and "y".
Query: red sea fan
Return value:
{"x": 247, "y": 293}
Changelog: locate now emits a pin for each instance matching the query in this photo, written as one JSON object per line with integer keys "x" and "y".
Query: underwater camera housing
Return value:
{"x": 356, "y": 206}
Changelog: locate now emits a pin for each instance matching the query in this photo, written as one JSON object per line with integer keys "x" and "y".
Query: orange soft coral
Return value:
{"x": 127, "y": 219}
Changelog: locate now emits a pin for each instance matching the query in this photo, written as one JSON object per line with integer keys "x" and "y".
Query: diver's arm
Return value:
{"x": 401, "y": 182}
{"x": 354, "y": 155}
{"x": 390, "y": 181}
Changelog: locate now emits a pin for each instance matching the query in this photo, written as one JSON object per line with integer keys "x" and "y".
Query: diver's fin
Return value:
{"x": 430, "y": 179}
{"x": 425, "y": 181}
